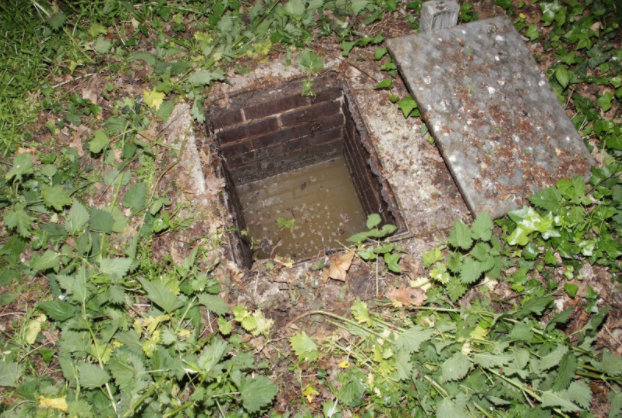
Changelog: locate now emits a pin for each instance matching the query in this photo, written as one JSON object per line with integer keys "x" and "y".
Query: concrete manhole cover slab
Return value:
{"x": 493, "y": 114}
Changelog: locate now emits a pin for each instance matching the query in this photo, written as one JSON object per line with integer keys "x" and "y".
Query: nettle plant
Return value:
{"x": 387, "y": 252}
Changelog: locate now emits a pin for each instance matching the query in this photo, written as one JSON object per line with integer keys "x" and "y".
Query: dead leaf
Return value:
{"x": 53, "y": 403}
{"x": 338, "y": 268}
{"x": 409, "y": 296}
{"x": 214, "y": 185}
{"x": 234, "y": 271}
{"x": 286, "y": 261}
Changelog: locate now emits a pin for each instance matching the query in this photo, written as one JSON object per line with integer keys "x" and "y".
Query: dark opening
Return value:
{"x": 288, "y": 157}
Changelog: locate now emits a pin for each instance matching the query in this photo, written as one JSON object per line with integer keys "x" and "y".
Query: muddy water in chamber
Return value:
{"x": 322, "y": 200}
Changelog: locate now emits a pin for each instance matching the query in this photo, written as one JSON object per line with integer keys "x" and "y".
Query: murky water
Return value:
{"x": 320, "y": 198}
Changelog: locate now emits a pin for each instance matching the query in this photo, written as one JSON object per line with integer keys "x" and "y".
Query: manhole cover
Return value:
{"x": 493, "y": 114}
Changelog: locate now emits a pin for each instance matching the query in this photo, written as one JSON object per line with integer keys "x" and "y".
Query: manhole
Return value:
{"x": 301, "y": 174}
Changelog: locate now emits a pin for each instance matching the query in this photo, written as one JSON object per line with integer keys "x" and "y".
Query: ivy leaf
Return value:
{"x": 213, "y": 303}
{"x": 460, "y": 236}
{"x": 18, "y": 218}
{"x": 161, "y": 295}
{"x": 91, "y": 376}
{"x": 563, "y": 76}
{"x": 407, "y": 105}
{"x": 411, "y": 339}
{"x": 547, "y": 199}
{"x": 153, "y": 98}
{"x": 56, "y": 197}
{"x": 48, "y": 260}
{"x": 77, "y": 218}
{"x": 257, "y": 393}
{"x": 471, "y": 270}
{"x": 135, "y": 198}
{"x": 532, "y": 32}
{"x": 604, "y": 101}
{"x": 455, "y": 367}
{"x": 304, "y": 347}
{"x": 482, "y": 227}
{"x": 391, "y": 260}
{"x": 309, "y": 61}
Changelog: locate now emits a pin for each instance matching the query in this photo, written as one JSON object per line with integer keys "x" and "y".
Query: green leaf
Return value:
{"x": 384, "y": 84}
{"x": 455, "y": 367}
{"x": 482, "y": 227}
{"x": 205, "y": 77}
{"x": 58, "y": 309}
{"x": 148, "y": 57}
{"x": 580, "y": 393}
{"x": 532, "y": 32}
{"x": 101, "y": 221}
{"x": 77, "y": 218}
{"x": 22, "y": 165}
{"x": 460, "y": 236}
{"x": 610, "y": 364}
{"x": 534, "y": 305}
{"x": 505, "y": 4}
{"x": 161, "y": 295}
{"x": 432, "y": 257}
{"x": 91, "y": 376}
{"x": 224, "y": 326}
{"x": 492, "y": 361}
{"x": 102, "y": 45}
{"x": 407, "y": 105}
{"x": 378, "y": 54}
{"x": 571, "y": 289}
{"x": 57, "y": 20}
{"x": 295, "y": 8}
{"x": 446, "y": 408}
{"x": 304, "y": 347}
{"x": 361, "y": 313}
{"x": 616, "y": 406}
{"x": 309, "y": 61}
{"x": 481, "y": 251}
{"x": 411, "y": 339}
{"x": 567, "y": 368}
{"x": 115, "y": 268}
{"x": 358, "y": 5}
{"x": 10, "y": 373}
{"x": 563, "y": 76}
{"x": 471, "y": 271}
{"x": 48, "y": 260}
{"x": 373, "y": 220}
{"x": 197, "y": 110}
{"x": 135, "y": 198}
{"x": 165, "y": 110}
{"x": 547, "y": 199}
{"x": 404, "y": 365}
{"x": 56, "y": 197}
{"x": 257, "y": 393}
{"x": 559, "y": 400}
{"x": 604, "y": 101}
{"x": 553, "y": 358}
{"x": 391, "y": 260}
{"x": 18, "y": 218}
{"x": 521, "y": 332}
{"x": 213, "y": 303}
{"x": 289, "y": 223}
{"x": 99, "y": 141}
{"x": 97, "y": 29}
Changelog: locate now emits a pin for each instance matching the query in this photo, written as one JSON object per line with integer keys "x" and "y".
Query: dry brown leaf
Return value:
{"x": 409, "y": 296}
{"x": 339, "y": 267}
